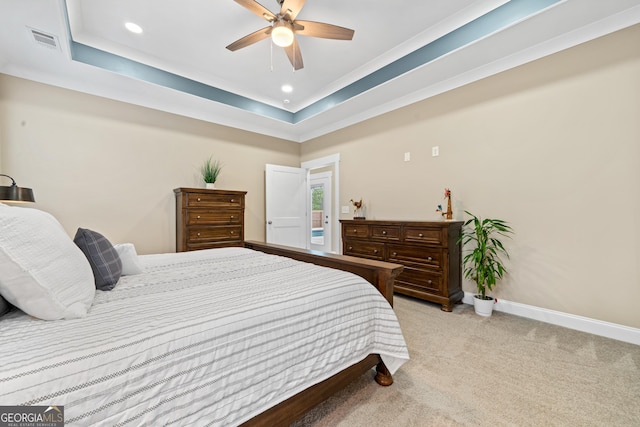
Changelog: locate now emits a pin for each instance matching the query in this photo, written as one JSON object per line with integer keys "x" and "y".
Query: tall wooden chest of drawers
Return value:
{"x": 429, "y": 251}
{"x": 208, "y": 219}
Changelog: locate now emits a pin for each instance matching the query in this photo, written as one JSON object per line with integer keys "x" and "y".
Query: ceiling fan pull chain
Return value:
{"x": 271, "y": 44}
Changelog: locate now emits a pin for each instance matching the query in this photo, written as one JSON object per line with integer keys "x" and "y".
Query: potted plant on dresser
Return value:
{"x": 210, "y": 171}
{"x": 482, "y": 263}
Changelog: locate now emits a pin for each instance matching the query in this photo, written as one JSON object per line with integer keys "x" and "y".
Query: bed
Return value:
{"x": 231, "y": 336}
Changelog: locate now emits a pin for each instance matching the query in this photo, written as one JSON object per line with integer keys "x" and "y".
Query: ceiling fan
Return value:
{"x": 283, "y": 27}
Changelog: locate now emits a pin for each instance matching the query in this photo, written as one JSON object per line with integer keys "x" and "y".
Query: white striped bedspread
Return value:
{"x": 210, "y": 337}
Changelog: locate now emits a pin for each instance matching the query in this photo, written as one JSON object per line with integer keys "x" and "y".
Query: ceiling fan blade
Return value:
{"x": 291, "y": 8}
{"x": 295, "y": 57}
{"x": 325, "y": 31}
{"x": 258, "y": 9}
{"x": 250, "y": 39}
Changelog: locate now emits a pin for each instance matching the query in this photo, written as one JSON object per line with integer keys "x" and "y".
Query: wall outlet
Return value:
{"x": 435, "y": 151}
{"x": 345, "y": 209}
{"x": 407, "y": 157}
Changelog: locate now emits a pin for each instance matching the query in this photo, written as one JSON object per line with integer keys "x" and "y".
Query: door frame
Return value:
{"x": 331, "y": 160}
{"x": 322, "y": 176}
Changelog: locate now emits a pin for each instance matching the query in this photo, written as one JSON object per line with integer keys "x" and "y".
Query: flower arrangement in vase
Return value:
{"x": 357, "y": 209}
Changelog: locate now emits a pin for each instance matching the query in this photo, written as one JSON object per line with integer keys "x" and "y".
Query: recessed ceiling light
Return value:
{"x": 286, "y": 101}
{"x": 134, "y": 28}
{"x": 287, "y": 88}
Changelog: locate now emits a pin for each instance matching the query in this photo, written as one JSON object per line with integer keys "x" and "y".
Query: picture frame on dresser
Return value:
{"x": 428, "y": 250}
{"x": 207, "y": 219}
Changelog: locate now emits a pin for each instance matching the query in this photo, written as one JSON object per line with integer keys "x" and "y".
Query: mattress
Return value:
{"x": 210, "y": 337}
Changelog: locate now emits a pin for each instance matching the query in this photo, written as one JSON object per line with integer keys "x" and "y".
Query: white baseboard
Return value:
{"x": 571, "y": 321}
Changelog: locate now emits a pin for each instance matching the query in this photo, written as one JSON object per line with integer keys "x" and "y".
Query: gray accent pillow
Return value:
{"x": 103, "y": 258}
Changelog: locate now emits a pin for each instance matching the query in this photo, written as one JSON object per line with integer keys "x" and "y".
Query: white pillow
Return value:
{"x": 42, "y": 271}
{"x": 129, "y": 258}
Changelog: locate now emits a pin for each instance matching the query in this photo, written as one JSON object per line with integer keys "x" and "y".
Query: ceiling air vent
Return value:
{"x": 44, "y": 39}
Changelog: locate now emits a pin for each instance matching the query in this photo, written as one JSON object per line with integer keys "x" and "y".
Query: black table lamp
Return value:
{"x": 13, "y": 193}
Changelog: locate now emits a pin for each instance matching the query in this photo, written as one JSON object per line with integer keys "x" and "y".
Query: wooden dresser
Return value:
{"x": 208, "y": 218}
{"x": 429, "y": 252}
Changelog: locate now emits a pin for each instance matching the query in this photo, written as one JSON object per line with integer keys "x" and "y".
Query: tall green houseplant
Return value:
{"x": 210, "y": 170}
{"x": 483, "y": 264}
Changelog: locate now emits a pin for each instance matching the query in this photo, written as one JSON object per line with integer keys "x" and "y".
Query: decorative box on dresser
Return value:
{"x": 208, "y": 219}
{"x": 429, "y": 252}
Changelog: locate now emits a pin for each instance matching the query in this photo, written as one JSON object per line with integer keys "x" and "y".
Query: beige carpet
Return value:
{"x": 466, "y": 370}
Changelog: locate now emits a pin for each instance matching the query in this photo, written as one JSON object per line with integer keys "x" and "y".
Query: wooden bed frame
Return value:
{"x": 380, "y": 274}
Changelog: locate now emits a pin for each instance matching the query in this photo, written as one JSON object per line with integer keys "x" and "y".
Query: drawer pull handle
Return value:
{"x": 350, "y": 248}
{"x": 198, "y": 234}
{"x": 198, "y": 217}
{"x": 429, "y": 259}
{"x": 233, "y": 232}
{"x": 430, "y": 282}
{"x": 233, "y": 200}
{"x": 395, "y": 254}
{"x": 384, "y": 232}
{"x": 375, "y": 251}
{"x": 355, "y": 230}
{"x": 198, "y": 198}
{"x": 231, "y": 216}
{"x": 420, "y": 235}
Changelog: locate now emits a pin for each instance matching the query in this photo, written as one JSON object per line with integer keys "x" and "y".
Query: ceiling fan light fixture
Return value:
{"x": 283, "y": 28}
{"x": 282, "y": 34}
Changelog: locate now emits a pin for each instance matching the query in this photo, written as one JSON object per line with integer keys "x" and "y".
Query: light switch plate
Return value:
{"x": 345, "y": 209}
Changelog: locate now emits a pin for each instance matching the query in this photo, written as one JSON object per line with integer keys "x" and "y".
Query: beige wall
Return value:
{"x": 112, "y": 167}
{"x": 552, "y": 147}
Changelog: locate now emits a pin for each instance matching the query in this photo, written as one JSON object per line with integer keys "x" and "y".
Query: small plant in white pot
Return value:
{"x": 210, "y": 171}
{"x": 483, "y": 264}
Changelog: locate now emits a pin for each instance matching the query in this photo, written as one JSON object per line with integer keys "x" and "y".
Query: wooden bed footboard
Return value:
{"x": 296, "y": 406}
{"x": 380, "y": 274}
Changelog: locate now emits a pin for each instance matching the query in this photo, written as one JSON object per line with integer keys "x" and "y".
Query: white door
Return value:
{"x": 320, "y": 186}
{"x": 286, "y": 198}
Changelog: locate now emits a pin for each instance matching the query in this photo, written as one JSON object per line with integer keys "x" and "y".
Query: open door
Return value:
{"x": 321, "y": 211}
{"x": 286, "y": 198}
